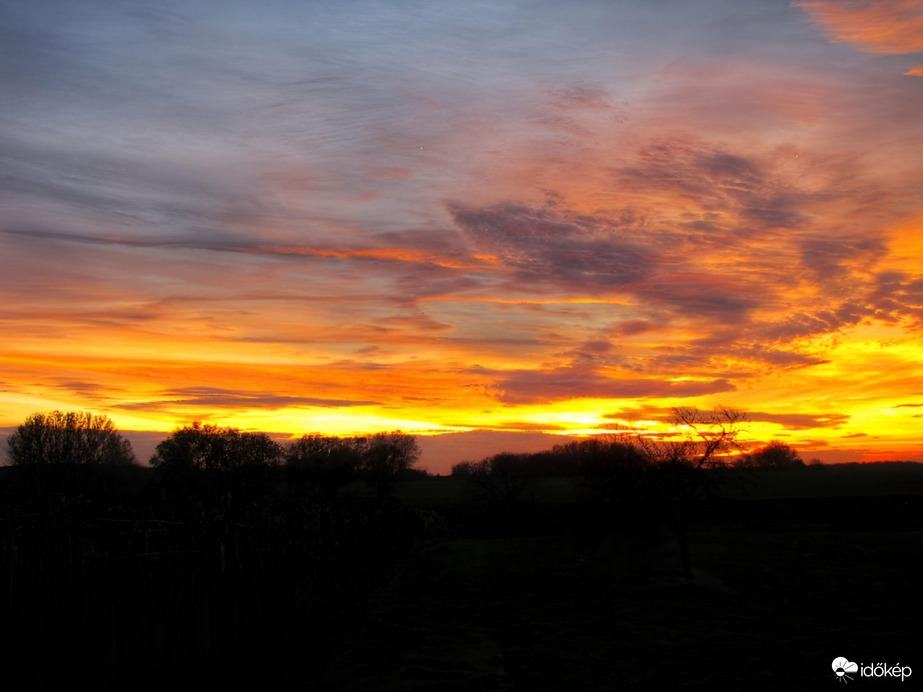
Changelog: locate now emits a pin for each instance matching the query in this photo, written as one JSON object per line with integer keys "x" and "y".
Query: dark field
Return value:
{"x": 766, "y": 610}
{"x": 845, "y": 480}
{"x": 432, "y": 591}
{"x": 792, "y": 569}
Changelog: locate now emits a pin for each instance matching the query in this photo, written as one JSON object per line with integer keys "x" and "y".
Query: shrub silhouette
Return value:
{"x": 612, "y": 468}
{"x": 205, "y": 457}
{"x": 500, "y": 479}
{"x": 385, "y": 456}
{"x": 206, "y": 447}
{"x": 775, "y": 455}
{"x": 323, "y": 463}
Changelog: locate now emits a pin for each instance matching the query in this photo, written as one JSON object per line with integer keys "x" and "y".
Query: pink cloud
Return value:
{"x": 890, "y": 27}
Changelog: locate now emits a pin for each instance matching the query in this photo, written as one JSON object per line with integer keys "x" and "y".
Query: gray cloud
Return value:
{"x": 713, "y": 179}
{"x": 827, "y": 258}
{"x": 548, "y": 248}
{"x": 225, "y": 398}
{"x": 800, "y": 421}
{"x": 543, "y": 247}
{"x": 632, "y": 328}
{"x": 561, "y": 384}
{"x": 895, "y": 296}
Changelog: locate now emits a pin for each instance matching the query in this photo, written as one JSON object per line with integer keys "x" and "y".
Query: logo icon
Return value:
{"x": 842, "y": 666}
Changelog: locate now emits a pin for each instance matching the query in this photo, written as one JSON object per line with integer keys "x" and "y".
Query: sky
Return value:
{"x": 537, "y": 217}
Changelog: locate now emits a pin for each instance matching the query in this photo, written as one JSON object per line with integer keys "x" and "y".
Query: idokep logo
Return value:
{"x": 843, "y": 666}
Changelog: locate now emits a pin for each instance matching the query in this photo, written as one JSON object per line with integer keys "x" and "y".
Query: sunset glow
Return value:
{"x": 526, "y": 217}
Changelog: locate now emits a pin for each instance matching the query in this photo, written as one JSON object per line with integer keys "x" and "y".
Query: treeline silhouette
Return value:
{"x": 642, "y": 485}
{"x": 233, "y": 557}
{"x": 613, "y": 467}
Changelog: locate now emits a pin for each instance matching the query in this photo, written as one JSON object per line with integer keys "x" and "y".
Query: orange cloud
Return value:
{"x": 894, "y": 27}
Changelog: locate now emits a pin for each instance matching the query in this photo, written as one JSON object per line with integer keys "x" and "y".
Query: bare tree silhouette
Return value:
{"x": 676, "y": 476}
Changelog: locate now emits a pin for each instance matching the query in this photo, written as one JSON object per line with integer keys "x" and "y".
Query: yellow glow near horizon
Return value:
{"x": 870, "y": 379}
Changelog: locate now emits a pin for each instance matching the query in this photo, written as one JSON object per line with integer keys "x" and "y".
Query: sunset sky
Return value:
{"x": 532, "y": 217}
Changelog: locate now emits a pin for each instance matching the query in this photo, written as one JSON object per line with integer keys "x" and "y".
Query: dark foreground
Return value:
{"x": 123, "y": 588}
